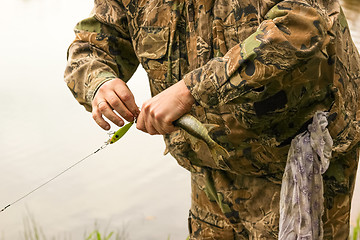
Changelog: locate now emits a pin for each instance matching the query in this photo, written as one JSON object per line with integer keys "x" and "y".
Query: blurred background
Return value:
{"x": 129, "y": 187}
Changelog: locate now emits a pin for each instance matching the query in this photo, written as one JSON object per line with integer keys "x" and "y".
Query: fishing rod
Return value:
{"x": 114, "y": 138}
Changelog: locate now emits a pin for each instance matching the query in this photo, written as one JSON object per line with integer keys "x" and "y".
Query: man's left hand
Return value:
{"x": 158, "y": 113}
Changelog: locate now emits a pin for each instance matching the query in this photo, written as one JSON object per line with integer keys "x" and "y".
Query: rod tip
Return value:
{"x": 5, "y": 208}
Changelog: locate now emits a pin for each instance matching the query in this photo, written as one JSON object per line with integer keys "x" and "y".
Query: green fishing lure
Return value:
{"x": 114, "y": 138}
{"x": 187, "y": 122}
{"x": 120, "y": 133}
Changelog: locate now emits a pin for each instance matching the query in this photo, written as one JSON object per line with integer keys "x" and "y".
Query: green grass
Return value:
{"x": 96, "y": 235}
{"x": 356, "y": 230}
{"x": 33, "y": 231}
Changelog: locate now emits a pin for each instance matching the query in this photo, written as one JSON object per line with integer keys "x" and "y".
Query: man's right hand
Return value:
{"x": 112, "y": 99}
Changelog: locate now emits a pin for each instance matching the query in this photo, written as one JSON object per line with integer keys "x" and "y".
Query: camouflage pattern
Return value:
{"x": 259, "y": 70}
{"x": 251, "y": 204}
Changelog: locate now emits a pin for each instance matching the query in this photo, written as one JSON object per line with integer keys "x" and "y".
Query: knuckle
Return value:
{"x": 102, "y": 107}
{"x": 152, "y": 133}
{"x": 114, "y": 102}
{"x": 119, "y": 81}
{"x": 168, "y": 121}
{"x": 125, "y": 96}
{"x": 127, "y": 116}
{"x": 153, "y": 113}
{"x": 139, "y": 127}
{"x": 145, "y": 107}
{"x": 160, "y": 116}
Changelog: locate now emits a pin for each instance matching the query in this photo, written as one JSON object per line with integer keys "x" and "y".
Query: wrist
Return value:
{"x": 98, "y": 82}
{"x": 185, "y": 94}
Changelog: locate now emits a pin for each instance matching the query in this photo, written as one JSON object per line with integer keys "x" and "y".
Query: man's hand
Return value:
{"x": 158, "y": 113}
{"x": 114, "y": 96}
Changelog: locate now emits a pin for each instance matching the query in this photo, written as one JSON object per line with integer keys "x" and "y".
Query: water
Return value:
{"x": 128, "y": 186}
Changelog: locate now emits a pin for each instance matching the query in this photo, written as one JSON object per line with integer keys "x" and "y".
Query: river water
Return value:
{"x": 130, "y": 186}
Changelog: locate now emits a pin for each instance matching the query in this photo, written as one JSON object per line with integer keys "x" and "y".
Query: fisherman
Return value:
{"x": 259, "y": 70}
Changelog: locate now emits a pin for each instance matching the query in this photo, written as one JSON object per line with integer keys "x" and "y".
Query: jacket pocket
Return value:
{"x": 152, "y": 42}
{"x": 152, "y": 49}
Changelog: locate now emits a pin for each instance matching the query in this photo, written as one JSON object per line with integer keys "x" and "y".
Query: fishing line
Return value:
{"x": 56, "y": 176}
{"x": 114, "y": 138}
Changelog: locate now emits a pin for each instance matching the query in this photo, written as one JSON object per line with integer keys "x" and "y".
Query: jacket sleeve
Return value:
{"x": 102, "y": 50}
{"x": 292, "y": 33}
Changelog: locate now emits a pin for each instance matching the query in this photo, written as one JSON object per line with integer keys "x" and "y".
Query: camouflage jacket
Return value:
{"x": 258, "y": 69}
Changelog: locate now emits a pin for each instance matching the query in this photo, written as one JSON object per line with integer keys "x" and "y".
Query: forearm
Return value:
{"x": 87, "y": 69}
{"x": 100, "y": 52}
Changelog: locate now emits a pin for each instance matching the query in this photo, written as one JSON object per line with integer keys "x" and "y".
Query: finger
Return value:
{"x": 143, "y": 120}
{"x": 119, "y": 97}
{"x": 150, "y": 128}
{"x": 128, "y": 100}
{"x": 97, "y": 116}
{"x": 116, "y": 103}
{"x": 168, "y": 128}
{"x": 168, "y": 125}
{"x": 160, "y": 127}
{"x": 142, "y": 124}
{"x": 105, "y": 109}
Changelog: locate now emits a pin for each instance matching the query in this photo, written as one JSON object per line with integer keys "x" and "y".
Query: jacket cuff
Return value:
{"x": 203, "y": 89}
{"x": 96, "y": 83}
